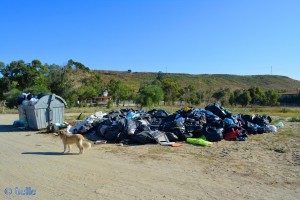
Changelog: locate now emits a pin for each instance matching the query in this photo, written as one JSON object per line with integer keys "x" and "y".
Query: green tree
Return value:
{"x": 86, "y": 92}
{"x": 189, "y": 95}
{"x": 150, "y": 95}
{"x": 257, "y": 95}
{"x": 125, "y": 93}
{"x": 60, "y": 81}
{"x": 208, "y": 94}
{"x": 11, "y": 96}
{"x": 222, "y": 95}
{"x": 200, "y": 96}
{"x": 243, "y": 98}
{"x": 160, "y": 76}
{"x": 271, "y": 97}
{"x": 25, "y": 74}
{"x": 37, "y": 89}
{"x": 38, "y": 74}
{"x": 171, "y": 89}
{"x": 5, "y": 85}
{"x": 114, "y": 89}
{"x": 77, "y": 66}
{"x": 232, "y": 99}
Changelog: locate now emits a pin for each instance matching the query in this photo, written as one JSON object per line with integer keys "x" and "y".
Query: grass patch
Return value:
{"x": 295, "y": 119}
{"x": 285, "y": 110}
{"x": 276, "y": 121}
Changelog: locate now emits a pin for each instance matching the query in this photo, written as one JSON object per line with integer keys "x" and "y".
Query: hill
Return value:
{"x": 205, "y": 81}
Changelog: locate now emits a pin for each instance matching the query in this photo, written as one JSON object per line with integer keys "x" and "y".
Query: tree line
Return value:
{"x": 74, "y": 81}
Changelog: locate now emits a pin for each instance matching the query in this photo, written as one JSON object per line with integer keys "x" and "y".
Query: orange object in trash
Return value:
{"x": 176, "y": 145}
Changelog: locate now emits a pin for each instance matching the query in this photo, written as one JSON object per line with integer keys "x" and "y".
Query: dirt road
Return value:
{"x": 264, "y": 167}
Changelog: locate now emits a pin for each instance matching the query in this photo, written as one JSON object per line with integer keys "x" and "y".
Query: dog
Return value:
{"x": 69, "y": 139}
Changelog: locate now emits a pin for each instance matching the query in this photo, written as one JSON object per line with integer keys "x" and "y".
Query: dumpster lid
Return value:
{"x": 61, "y": 99}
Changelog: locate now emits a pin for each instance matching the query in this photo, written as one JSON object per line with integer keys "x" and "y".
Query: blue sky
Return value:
{"x": 176, "y": 36}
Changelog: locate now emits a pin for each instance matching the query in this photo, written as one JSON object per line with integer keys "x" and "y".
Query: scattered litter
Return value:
{"x": 199, "y": 141}
{"x": 100, "y": 142}
{"x": 280, "y": 124}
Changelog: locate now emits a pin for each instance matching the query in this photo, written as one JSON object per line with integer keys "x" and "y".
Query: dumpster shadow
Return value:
{"x": 50, "y": 153}
{"x": 11, "y": 128}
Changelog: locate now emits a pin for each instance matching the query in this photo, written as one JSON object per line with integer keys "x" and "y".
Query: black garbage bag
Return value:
{"x": 168, "y": 126}
{"x": 19, "y": 100}
{"x": 142, "y": 127}
{"x": 262, "y": 120}
{"x": 260, "y": 130}
{"x": 41, "y": 95}
{"x": 236, "y": 118}
{"x": 213, "y": 134}
{"x": 197, "y": 129}
{"x": 178, "y": 128}
{"x": 155, "y": 123}
{"x": 209, "y": 116}
{"x": 131, "y": 126}
{"x": 218, "y": 110}
{"x": 214, "y": 131}
{"x": 239, "y": 119}
{"x": 257, "y": 129}
{"x": 87, "y": 127}
{"x": 171, "y": 117}
{"x": 190, "y": 125}
{"x": 93, "y": 136}
{"x": 171, "y": 136}
{"x": 251, "y": 128}
{"x": 247, "y": 118}
{"x": 152, "y": 112}
{"x": 101, "y": 129}
{"x": 199, "y": 116}
{"x": 161, "y": 114}
{"x": 185, "y": 112}
{"x": 144, "y": 137}
{"x": 29, "y": 96}
{"x": 114, "y": 134}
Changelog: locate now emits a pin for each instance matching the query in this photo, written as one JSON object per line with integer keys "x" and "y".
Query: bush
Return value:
{"x": 11, "y": 96}
{"x": 109, "y": 104}
{"x": 295, "y": 119}
{"x": 285, "y": 110}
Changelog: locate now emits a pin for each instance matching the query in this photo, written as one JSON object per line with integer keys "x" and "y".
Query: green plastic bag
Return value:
{"x": 199, "y": 141}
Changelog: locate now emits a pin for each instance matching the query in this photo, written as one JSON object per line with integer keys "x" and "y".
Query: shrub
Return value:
{"x": 109, "y": 104}
{"x": 295, "y": 119}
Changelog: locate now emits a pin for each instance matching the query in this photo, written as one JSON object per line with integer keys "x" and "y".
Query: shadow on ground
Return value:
{"x": 49, "y": 153}
{"x": 11, "y": 128}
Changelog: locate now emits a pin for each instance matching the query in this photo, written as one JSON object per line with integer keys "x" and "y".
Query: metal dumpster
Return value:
{"x": 48, "y": 110}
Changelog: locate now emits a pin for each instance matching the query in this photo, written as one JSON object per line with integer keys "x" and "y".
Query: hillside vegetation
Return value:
{"x": 205, "y": 81}
{"x": 77, "y": 83}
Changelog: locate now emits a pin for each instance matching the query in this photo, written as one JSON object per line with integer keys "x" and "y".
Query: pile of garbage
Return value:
{"x": 26, "y": 99}
{"x": 211, "y": 124}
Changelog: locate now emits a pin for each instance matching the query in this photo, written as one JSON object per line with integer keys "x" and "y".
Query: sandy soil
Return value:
{"x": 266, "y": 166}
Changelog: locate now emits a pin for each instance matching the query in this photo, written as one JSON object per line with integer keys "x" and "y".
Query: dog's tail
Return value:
{"x": 87, "y": 145}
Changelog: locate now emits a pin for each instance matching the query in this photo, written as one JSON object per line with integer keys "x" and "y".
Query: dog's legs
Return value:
{"x": 69, "y": 147}
{"x": 80, "y": 146}
{"x": 65, "y": 148}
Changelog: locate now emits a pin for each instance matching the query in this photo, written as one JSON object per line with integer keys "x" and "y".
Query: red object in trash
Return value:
{"x": 232, "y": 135}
